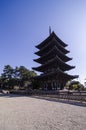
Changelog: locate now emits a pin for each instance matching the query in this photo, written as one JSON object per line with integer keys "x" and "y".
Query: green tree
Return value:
{"x": 25, "y": 75}
{"x": 7, "y": 72}
{"x": 74, "y": 85}
{"x": 19, "y": 76}
{"x": 6, "y": 76}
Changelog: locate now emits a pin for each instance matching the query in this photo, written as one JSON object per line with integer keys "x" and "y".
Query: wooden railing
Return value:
{"x": 65, "y": 95}
{"x": 69, "y": 95}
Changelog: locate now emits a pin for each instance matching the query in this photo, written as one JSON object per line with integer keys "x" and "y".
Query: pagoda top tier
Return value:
{"x": 49, "y": 45}
{"x": 48, "y": 39}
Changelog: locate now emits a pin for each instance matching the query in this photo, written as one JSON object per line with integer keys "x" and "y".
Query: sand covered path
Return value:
{"x": 29, "y": 113}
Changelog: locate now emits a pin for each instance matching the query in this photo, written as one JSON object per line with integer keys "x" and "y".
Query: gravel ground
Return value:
{"x": 29, "y": 113}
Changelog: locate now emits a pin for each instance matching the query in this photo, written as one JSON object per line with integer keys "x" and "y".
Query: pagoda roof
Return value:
{"x": 58, "y": 73}
{"x": 56, "y": 60}
{"x": 53, "y": 52}
{"x": 50, "y": 45}
{"x": 48, "y": 39}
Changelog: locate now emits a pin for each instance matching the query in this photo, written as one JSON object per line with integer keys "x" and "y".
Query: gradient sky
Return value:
{"x": 25, "y": 23}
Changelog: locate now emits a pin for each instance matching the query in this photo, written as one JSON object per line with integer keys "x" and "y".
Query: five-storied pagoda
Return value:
{"x": 53, "y": 58}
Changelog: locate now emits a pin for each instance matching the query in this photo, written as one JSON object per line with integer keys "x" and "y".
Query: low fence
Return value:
{"x": 66, "y": 95}
{"x": 69, "y": 95}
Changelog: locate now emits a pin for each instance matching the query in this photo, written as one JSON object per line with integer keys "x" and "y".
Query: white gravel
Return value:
{"x": 28, "y": 113}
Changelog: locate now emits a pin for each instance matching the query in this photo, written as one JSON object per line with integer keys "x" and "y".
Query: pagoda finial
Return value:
{"x": 49, "y": 30}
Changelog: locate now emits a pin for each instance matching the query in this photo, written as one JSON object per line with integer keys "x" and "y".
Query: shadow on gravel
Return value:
{"x": 76, "y": 103}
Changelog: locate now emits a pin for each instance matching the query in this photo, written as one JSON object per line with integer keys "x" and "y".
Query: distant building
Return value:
{"x": 53, "y": 58}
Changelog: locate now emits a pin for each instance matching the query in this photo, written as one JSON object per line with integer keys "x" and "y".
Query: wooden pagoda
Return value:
{"x": 53, "y": 58}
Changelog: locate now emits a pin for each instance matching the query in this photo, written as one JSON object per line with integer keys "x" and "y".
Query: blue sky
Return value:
{"x": 25, "y": 23}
